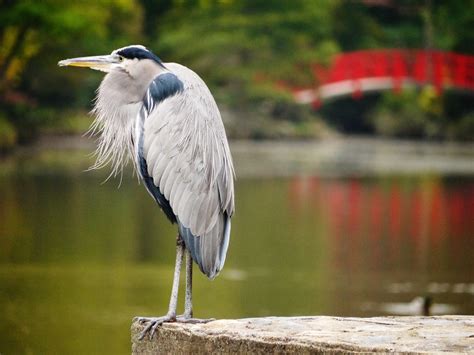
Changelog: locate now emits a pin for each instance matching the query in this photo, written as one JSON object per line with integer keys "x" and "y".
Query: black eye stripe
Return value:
{"x": 139, "y": 53}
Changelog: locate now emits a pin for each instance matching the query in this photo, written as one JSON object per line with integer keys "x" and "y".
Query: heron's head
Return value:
{"x": 122, "y": 59}
{"x": 130, "y": 70}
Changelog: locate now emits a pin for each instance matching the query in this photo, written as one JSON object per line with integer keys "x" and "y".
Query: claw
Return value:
{"x": 153, "y": 324}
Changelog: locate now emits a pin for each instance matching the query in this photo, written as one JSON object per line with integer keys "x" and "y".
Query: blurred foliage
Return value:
{"x": 410, "y": 113}
{"x": 405, "y": 24}
{"x": 34, "y": 35}
{"x": 244, "y": 49}
{"x": 8, "y": 136}
{"x": 233, "y": 41}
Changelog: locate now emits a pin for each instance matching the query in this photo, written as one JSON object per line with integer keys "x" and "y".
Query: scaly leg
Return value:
{"x": 188, "y": 300}
{"x": 187, "y": 317}
{"x": 171, "y": 315}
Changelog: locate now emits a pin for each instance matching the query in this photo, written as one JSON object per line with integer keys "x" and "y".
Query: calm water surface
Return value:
{"x": 319, "y": 230}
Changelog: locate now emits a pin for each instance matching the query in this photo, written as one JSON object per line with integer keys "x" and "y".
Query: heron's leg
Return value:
{"x": 187, "y": 317}
{"x": 177, "y": 269}
{"x": 188, "y": 300}
{"x": 171, "y": 315}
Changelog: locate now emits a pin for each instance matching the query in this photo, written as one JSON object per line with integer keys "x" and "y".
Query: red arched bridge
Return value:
{"x": 357, "y": 72}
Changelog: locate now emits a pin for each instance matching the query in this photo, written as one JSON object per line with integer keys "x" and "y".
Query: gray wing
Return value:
{"x": 187, "y": 156}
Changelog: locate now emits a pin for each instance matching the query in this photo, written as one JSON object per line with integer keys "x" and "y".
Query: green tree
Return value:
{"x": 34, "y": 35}
{"x": 243, "y": 49}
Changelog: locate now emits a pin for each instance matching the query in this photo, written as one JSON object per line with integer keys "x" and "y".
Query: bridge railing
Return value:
{"x": 367, "y": 70}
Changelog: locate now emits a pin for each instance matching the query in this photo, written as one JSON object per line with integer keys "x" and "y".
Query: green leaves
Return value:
{"x": 34, "y": 35}
{"x": 243, "y": 49}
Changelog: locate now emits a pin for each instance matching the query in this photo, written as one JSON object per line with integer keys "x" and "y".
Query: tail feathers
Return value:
{"x": 209, "y": 250}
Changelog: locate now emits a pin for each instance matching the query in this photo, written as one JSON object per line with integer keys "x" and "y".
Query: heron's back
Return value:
{"x": 184, "y": 149}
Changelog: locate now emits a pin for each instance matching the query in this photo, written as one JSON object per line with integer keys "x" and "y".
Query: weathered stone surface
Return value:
{"x": 409, "y": 335}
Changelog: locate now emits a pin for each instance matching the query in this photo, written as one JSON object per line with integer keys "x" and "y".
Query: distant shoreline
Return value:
{"x": 333, "y": 157}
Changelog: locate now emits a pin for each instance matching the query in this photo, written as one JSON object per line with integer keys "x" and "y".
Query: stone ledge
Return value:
{"x": 408, "y": 335}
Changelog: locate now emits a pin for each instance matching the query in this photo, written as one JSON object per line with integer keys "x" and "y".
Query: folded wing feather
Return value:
{"x": 188, "y": 158}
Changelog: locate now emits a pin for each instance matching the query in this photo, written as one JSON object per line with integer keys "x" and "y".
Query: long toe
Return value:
{"x": 184, "y": 319}
{"x": 153, "y": 324}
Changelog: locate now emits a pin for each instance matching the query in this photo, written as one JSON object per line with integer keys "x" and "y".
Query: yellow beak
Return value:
{"x": 100, "y": 62}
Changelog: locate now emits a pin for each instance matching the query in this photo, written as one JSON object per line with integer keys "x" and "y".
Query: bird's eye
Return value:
{"x": 120, "y": 58}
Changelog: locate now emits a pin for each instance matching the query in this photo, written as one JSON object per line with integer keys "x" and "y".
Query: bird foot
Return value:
{"x": 155, "y": 322}
{"x": 187, "y": 319}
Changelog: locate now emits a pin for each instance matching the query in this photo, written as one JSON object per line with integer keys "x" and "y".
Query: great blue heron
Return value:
{"x": 163, "y": 117}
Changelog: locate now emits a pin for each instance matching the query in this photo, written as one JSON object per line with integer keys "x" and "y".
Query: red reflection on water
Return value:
{"x": 414, "y": 213}
{"x": 354, "y": 201}
{"x": 335, "y": 198}
{"x": 395, "y": 212}
{"x": 425, "y": 210}
{"x": 436, "y": 213}
{"x": 455, "y": 208}
{"x": 376, "y": 206}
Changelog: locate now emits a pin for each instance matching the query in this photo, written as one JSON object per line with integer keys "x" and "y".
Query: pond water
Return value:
{"x": 346, "y": 228}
